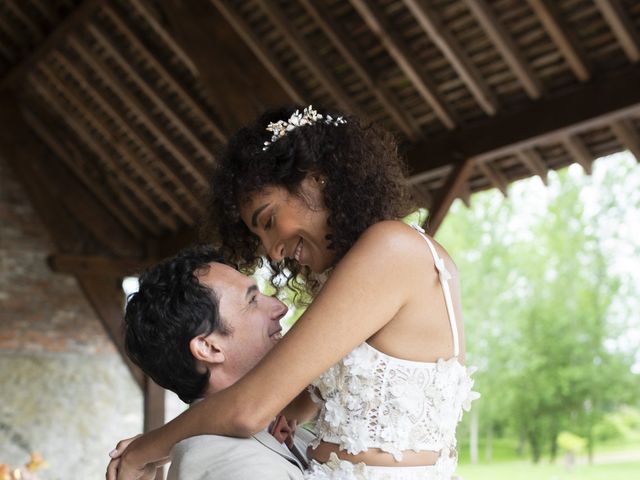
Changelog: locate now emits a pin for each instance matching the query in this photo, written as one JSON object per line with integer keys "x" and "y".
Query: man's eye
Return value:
{"x": 254, "y": 299}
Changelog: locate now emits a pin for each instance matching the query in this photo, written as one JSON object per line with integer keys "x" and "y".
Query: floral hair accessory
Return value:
{"x": 309, "y": 116}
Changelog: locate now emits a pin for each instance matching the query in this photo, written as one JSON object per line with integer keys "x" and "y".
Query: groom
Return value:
{"x": 195, "y": 327}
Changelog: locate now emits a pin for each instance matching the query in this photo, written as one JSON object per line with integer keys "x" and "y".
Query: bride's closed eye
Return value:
{"x": 269, "y": 222}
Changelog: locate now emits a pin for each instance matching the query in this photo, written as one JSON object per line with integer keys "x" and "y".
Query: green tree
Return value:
{"x": 538, "y": 290}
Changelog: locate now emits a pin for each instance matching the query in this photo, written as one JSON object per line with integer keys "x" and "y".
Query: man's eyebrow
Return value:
{"x": 257, "y": 211}
{"x": 251, "y": 290}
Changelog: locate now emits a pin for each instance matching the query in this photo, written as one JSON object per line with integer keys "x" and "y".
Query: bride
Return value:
{"x": 380, "y": 348}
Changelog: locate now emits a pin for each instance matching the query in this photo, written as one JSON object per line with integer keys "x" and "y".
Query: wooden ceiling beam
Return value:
{"x": 82, "y": 131}
{"x": 267, "y": 59}
{"x": 158, "y": 129}
{"x": 106, "y": 296}
{"x": 532, "y": 160}
{"x": 131, "y": 158}
{"x": 54, "y": 194}
{"x": 597, "y": 102}
{"x": 107, "y": 137}
{"x": 17, "y": 10}
{"x": 622, "y": 27}
{"x": 131, "y": 129}
{"x": 547, "y": 12}
{"x": 24, "y": 154}
{"x": 167, "y": 75}
{"x": 627, "y": 136}
{"x": 495, "y": 177}
{"x": 145, "y": 12}
{"x": 455, "y": 186}
{"x": 311, "y": 59}
{"x": 507, "y": 47}
{"x": 6, "y": 52}
{"x": 100, "y": 265}
{"x": 149, "y": 91}
{"x": 71, "y": 161}
{"x": 579, "y": 152}
{"x": 74, "y": 20}
{"x": 341, "y": 41}
{"x": 395, "y": 46}
{"x": 170, "y": 245}
{"x": 432, "y": 25}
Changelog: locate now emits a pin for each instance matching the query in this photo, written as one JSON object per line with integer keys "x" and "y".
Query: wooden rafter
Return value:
{"x": 548, "y": 14}
{"x": 267, "y": 59}
{"x": 149, "y": 91}
{"x": 170, "y": 245}
{"x": 396, "y": 47}
{"x": 505, "y": 44}
{"x": 71, "y": 161}
{"x": 340, "y": 39}
{"x": 83, "y": 132}
{"x": 77, "y": 264}
{"x": 579, "y": 152}
{"x": 621, "y": 26}
{"x": 157, "y": 128}
{"x": 166, "y": 74}
{"x": 54, "y": 193}
{"x": 106, "y": 297}
{"x": 10, "y": 29}
{"x": 455, "y": 186}
{"x": 154, "y": 400}
{"x": 532, "y": 160}
{"x": 627, "y": 136}
{"x": 594, "y": 103}
{"x": 119, "y": 147}
{"x": 6, "y": 52}
{"x": 429, "y": 19}
{"x": 75, "y": 19}
{"x": 17, "y": 10}
{"x": 495, "y": 177}
{"x": 307, "y": 56}
{"x": 144, "y": 11}
{"x": 130, "y": 157}
{"x": 126, "y": 124}
{"x": 62, "y": 202}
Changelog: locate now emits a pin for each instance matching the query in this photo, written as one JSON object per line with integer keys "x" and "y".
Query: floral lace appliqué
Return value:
{"x": 372, "y": 400}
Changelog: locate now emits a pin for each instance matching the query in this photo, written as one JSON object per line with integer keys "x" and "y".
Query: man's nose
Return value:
{"x": 279, "y": 309}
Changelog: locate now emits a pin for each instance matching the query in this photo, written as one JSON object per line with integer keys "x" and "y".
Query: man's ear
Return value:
{"x": 207, "y": 349}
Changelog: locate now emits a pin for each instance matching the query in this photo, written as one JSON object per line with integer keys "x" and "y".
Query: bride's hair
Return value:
{"x": 365, "y": 182}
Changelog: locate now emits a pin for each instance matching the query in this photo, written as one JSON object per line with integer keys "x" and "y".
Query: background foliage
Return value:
{"x": 550, "y": 288}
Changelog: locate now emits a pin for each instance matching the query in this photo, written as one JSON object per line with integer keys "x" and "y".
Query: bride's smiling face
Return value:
{"x": 291, "y": 225}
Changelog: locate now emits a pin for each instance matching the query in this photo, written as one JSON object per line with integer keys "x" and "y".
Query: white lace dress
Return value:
{"x": 372, "y": 400}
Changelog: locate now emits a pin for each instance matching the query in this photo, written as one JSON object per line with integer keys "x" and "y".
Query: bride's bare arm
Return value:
{"x": 366, "y": 289}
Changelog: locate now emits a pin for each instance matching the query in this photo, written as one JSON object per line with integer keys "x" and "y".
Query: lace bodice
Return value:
{"x": 372, "y": 400}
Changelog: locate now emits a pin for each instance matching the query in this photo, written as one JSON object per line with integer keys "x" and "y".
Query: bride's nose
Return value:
{"x": 276, "y": 251}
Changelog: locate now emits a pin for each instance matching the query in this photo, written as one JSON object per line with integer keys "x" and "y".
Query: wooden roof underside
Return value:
{"x": 113, "y": 111}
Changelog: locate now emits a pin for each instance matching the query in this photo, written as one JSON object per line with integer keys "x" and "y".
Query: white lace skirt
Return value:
{"x": 336, "y": 469}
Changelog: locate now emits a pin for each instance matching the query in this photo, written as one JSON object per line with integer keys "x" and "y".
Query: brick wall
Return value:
{"x": 64, "y": 391}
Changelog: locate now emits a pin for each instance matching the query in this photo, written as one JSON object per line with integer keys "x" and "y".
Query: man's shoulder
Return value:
{"x": 213, "y": 457}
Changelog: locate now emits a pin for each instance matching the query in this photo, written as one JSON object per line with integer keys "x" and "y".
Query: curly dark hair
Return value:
{"x": 365, "y": 183}
{"x": 170, "y": 308}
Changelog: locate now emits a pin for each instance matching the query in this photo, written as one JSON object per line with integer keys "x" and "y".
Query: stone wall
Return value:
{"x": 64, "y": 391}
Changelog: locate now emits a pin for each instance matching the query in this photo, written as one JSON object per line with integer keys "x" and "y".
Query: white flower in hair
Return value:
{"x": 309, "y": 116}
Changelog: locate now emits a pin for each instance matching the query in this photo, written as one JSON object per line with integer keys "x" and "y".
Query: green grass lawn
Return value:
{"x": 616, "y": 460}
{"x": 525, "y": 470}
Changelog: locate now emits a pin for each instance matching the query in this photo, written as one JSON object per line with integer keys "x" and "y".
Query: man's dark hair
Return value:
{"x": 170, "y": 308}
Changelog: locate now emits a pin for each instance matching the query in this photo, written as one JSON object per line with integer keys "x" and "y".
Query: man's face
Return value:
{"x": 253, "y": 318}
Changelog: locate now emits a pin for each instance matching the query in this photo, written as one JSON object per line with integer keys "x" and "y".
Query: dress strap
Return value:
{"x": 444, "y": 276}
